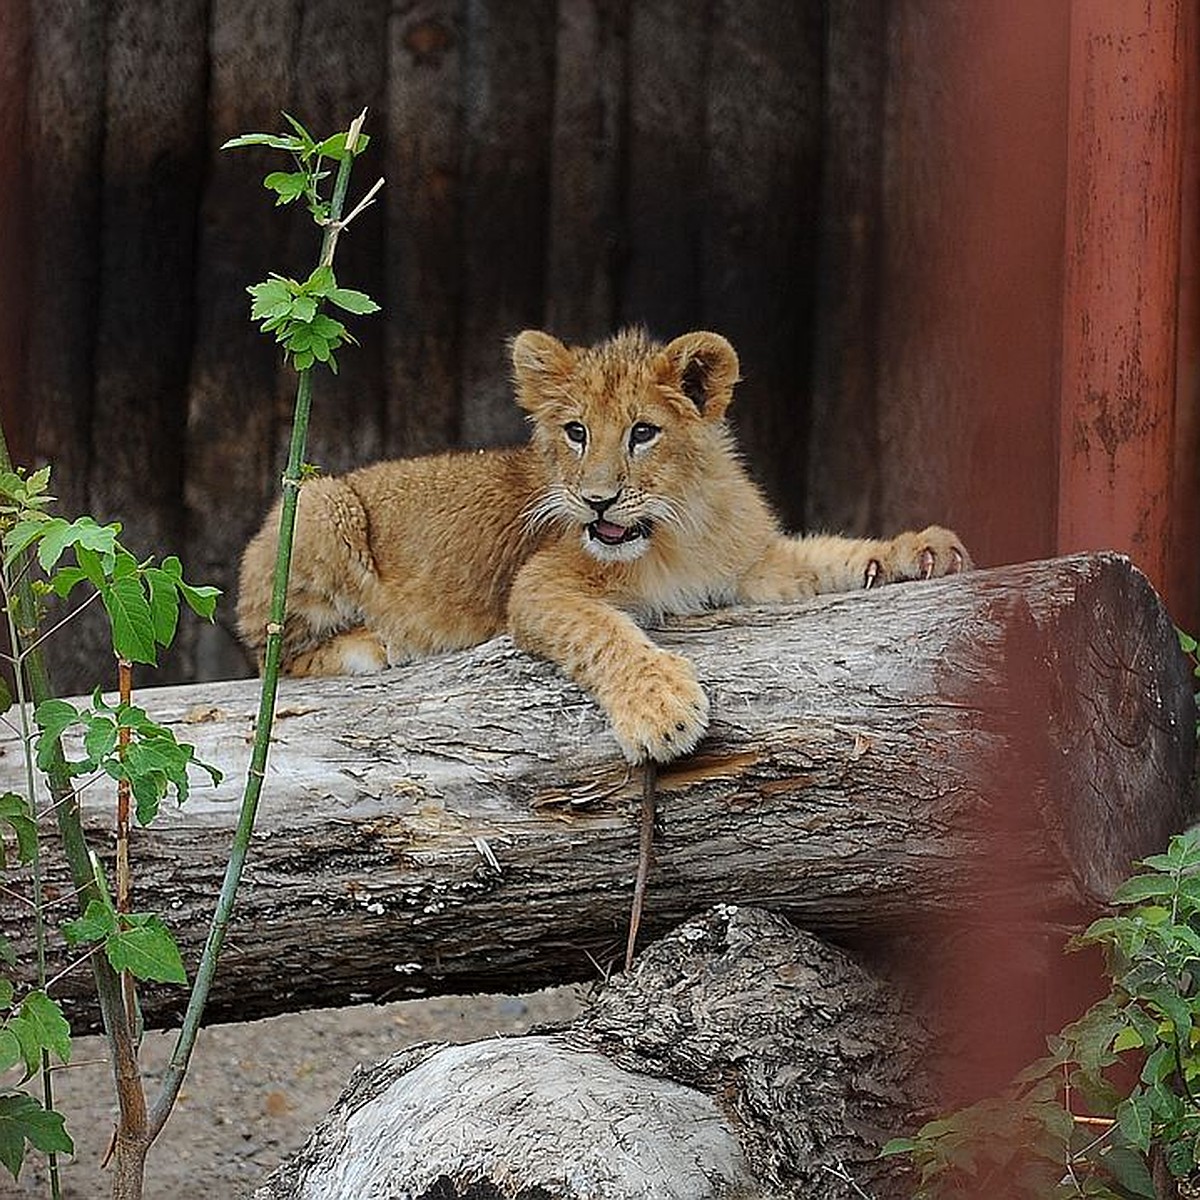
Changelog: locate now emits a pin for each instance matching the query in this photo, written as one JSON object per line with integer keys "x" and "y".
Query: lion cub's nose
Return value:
{"x": 600, "y": 503}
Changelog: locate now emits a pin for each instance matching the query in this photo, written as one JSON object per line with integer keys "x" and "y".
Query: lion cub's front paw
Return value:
{"x": 931, "y": 553}
{"x": 663, "y": 713}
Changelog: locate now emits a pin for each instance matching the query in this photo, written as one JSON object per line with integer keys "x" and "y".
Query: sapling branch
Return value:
{"x": 256, "y": 772}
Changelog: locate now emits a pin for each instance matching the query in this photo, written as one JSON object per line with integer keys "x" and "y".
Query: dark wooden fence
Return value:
{"x": 774, "y": 169}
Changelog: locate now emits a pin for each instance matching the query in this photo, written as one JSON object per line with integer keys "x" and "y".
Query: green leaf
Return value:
{"x": 1130, "y": 1171}
{"x": 146, "y": 950}
{"x": 131, "y": 619}
{"x": 335, "y": 147}
{"x": 7, "y": 992}
{"x": 164, "y": 604}
{"x": 1172, "y": 1006}
{"x": 10, "y": 1050}
{"x": 897, "y": 1146}
{"x": 53, "y": 718}
{"x": 274, "y": 140}
{"x": 201, "y": 600}
{"x": 15, "y": 812}
{"x": 320, "y": 283}
{"x": 61, "y": 535}
{"x": 352, "y": 301}
{"x": 1143, "y": 887}
{"x": 1136, "y": 1120}
{"x": 1187, "y": 643}
{"x": 6, "y": 700}
{"x": 1158, "y": 1066}
{"x": 288, "y": 185}
{"x": 22, "y": 534}
{"x": 1127, "y": 1039}
{"x": 7, "y": 953}
{"x": 40, "y": 1025}
{"x": 23, "y": 1119}
{"x": 1093, "y": 1035}
{"x": 96, "y": 567}
{"x": 98, "y": 922}
{"x": 1181, "y": 1157}
{"x": 304, "y": 308}
{"x": 272, "y": 297}
{"x": 100, "y": 737}
{"x": 306, "y": 138}
{"x": 64, "y": 581}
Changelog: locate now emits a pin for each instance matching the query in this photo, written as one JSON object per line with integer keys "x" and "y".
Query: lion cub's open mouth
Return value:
{"x": 613, "y": 535}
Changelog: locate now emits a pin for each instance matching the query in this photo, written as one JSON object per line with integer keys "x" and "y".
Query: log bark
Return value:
{"x": 741, "y": 1057}
{"x": 1003, "y": 742}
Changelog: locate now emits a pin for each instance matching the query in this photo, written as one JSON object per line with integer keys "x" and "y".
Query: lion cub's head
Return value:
{"x": 629, "y": 430}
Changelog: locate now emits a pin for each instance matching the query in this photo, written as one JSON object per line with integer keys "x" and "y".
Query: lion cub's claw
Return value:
{"x": 665, "y": 715}
{"x": 932, "y": 553}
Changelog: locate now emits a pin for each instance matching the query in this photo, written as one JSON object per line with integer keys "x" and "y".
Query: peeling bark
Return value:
{"x": 1007, "y": 741}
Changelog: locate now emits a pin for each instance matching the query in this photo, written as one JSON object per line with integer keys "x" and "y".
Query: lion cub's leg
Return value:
{"x": 655, "y": 704}
{"x": 355, "y": 652}
{"x": 796, "y": 568}
{"x": 332, "y": 566}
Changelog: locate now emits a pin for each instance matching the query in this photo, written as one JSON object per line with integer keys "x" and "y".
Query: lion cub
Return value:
{"x": 629, "y": 503}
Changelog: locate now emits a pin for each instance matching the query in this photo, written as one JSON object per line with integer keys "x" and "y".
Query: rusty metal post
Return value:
{"x": 1126, "y": 107}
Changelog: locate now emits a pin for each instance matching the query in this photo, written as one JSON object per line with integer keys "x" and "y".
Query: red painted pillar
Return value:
{"x": 1183, "y": 579}
{"x": 1120, "y": 303}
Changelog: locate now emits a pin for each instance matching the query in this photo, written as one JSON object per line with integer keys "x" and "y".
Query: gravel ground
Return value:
{"x": 256, "y": 1090}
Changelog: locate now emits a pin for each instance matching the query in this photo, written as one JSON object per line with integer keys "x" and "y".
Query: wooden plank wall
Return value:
{"x": 574, "y": 164}
{"x": 807, "y": 177}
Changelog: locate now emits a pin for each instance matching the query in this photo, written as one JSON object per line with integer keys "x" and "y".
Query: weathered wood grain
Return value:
{"x": 423, "y": 202}
{"x": 507, "y": 98}
{"x": 154, "y": 147}
{"x": 763, "y": 140}
{"x": 238, "y": 394}
{"x": 844, "y": 450}
{"x": 590, "y": 112}
{"x": 1007, "y": 741}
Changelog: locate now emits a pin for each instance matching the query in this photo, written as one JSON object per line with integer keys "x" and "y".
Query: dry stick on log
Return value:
{"x": 1011, "y": 739}
{"x": 645, "y": 854}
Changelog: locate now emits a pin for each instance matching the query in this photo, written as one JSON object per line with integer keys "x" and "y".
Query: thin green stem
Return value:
{"x": 256, "y": 773}
{"x": 39, "y": 910}
{"x": 70, "y": 826}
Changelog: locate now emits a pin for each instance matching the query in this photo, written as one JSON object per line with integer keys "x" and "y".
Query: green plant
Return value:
{"x": 45, "y": 555}
{"x": 1191, "y": 648}
{"x": 1115, "y": 1098}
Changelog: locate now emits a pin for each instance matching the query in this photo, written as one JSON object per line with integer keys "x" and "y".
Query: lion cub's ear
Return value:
{"x": 704, "y": 367}
{"x": 541, "y": 365}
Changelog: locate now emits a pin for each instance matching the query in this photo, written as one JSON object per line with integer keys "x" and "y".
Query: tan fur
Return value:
{"x": 629, "y": 503}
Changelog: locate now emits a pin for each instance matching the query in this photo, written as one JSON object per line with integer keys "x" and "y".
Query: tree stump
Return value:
{"x": 1008, "y": 741}
{"x": 740, "y": 1057}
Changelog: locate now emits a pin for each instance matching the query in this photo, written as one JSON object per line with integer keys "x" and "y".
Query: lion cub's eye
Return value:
{"x": 576, "y": 432}
{"x": 642, "y": 434}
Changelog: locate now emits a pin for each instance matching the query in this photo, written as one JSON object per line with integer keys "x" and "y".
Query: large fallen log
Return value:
{"x": 1007, "y": 741}
{"x": 740, "y": 1057}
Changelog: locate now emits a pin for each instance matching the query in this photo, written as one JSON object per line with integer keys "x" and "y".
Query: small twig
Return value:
{"x": 844, "y": 1176}
{"x": 364, "y": 203}
{"x": 645, "y": 853}
{"x": 13, "y": 894}
{"x": 49, "y": 633}
{"x": 71, "y": 966}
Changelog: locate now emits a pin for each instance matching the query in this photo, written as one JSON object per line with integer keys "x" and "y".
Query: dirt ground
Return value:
{"x": 256, "y": 1090}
